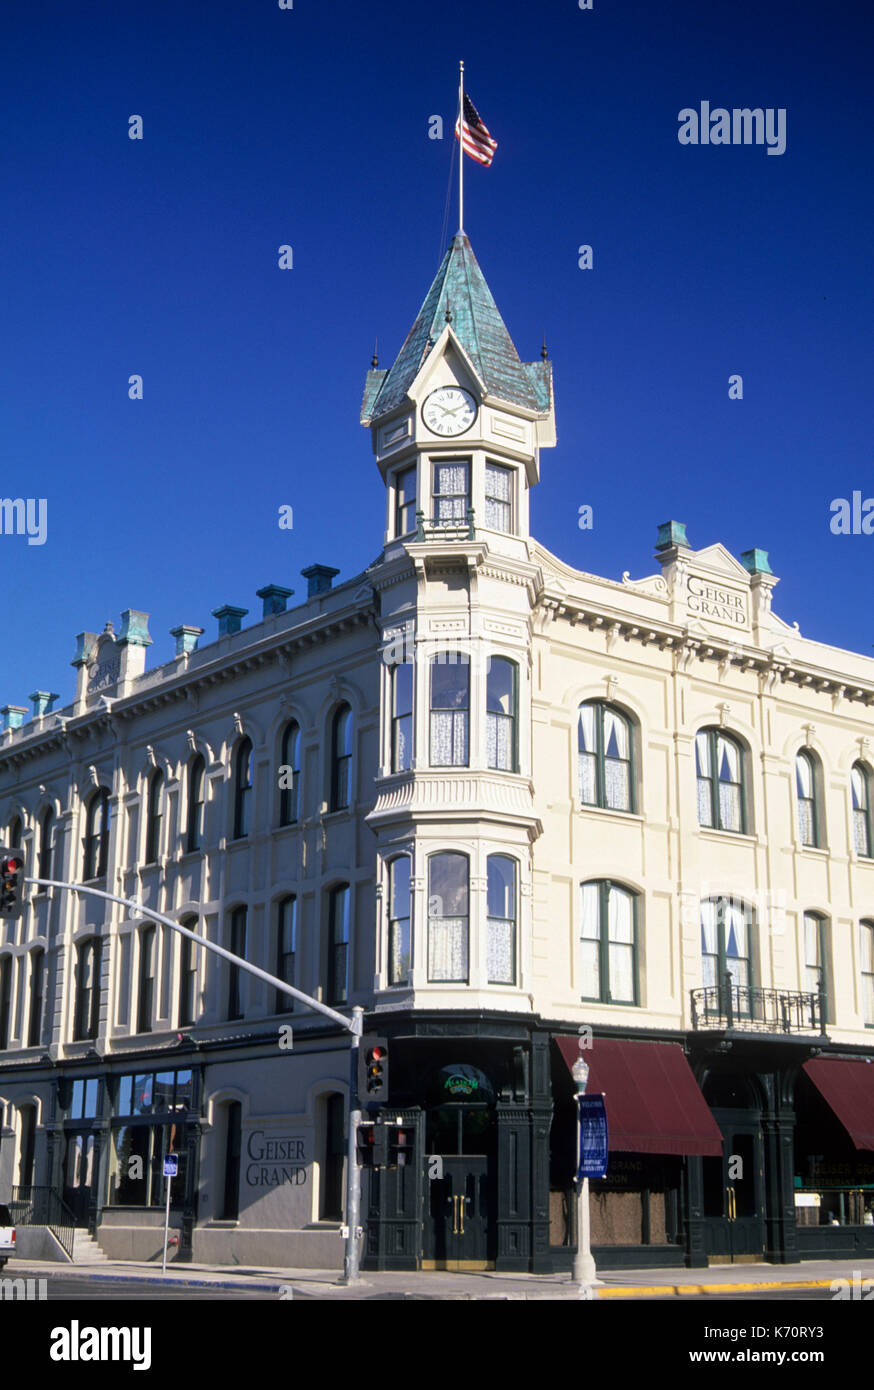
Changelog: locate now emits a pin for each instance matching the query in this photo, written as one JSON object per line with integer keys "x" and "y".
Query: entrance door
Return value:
{"x": 734, "y": 1192}
{"x": 79, "y": 1174}
{"x": 459, "y": 1213}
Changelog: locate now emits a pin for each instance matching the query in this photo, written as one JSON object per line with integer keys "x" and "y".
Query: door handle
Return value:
{"x": 732, "y": 1204}
{"x": 461, "y": 1202}
{"x": 455, "y": 1215}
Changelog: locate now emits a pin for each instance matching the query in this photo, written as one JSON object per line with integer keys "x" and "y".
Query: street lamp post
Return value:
{"x": 584, "y": 1272}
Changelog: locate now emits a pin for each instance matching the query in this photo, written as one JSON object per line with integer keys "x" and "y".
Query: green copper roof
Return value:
{"x": 461, "y": 297}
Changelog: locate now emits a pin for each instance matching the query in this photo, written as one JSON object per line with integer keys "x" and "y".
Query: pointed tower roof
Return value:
{"x": 460, "y": 297}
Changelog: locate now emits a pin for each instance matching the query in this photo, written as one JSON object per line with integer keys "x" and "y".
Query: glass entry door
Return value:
{"x": 734, "y": 1192}
{"x": 79, "y": 1174}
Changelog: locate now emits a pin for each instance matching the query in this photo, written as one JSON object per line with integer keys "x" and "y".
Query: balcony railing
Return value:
{"x": 445, "y": 528}
{"x": 750, "y": 1009}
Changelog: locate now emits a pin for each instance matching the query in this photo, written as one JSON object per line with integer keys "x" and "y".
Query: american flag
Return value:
{"x": 475, "y": 139}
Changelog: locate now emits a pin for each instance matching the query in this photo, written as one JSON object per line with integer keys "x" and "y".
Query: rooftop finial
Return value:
{"x": 374, "y": 361}
{"x": 543, "y": 352}
{"x": 448, "y": 312}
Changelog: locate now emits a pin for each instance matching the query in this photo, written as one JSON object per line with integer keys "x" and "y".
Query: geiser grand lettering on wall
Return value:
{"x": 716, "y": 603}
{"x": 279, "y": 1159}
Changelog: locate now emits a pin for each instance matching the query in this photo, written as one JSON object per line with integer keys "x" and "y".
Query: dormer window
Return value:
{"x": 499, "y": 498}
{"x": 405, "y": 502}
{"x": 451, "y": 491}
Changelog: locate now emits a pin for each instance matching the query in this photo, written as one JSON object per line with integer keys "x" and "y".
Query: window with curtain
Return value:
{"x": 726, "y": 949}
{"x": 153, "y": 816}
{"x": 96, "y": 835}
{"x": 194, "y": 829}
{"x": 805, "y": 786}
{"x": 88, "y": 964}
{"x": 341, "y": 759}
{"x": 46, "y": 835}
{"x": 289, "y": 781}
{"x": 860, "y": 784}
{"x": 499, "y": 498}
{"x": 286, "y": 949}
{"x": 608, "y": 943}
{"x": 815, "y": 974}
{"x": 399, "y": 920}
{"x": 237, "y": 945}
{"x": 867, "y": 945}
{"x": 451, "y": 491}
{"x": 448, "y": 920}
{"x": 339, "y": 911}
{"x": 405, "y": 502}
{"x": 450, "y": 709}
{"x": 604, "y": 757}
{"x": 243, "y": 769}
{"x": 719, "y": 766}
{"x": 402, "y": 717}
{"x": 501, "y": 688}
{"x": 501, "y": 919}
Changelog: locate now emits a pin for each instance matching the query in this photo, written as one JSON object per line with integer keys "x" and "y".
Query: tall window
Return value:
{"x": 501, "y": 944}
{"x": 805, "y": 785}
{"x": 867, "y": 973}
{"x": 230, "y": 1207}
{"x": 238, "y": 947}
{"x": 97, "y": 834}
{"x": 15, "y": 833}
{"x": 499, "y": 498}
{"x": 147, "y": 980}
{"x": 5, "y": 998}
{"x": 451, "y": 491}
{"x": 242, "y": 788}
{"x": 88, "y": 965}
{"x": 153, "y": 817}
{"x": 402, "y": 717}
{"x": 286, "y": 950}
{"x": 405, "y": 502}
{"x": 815, "y": 974}
{"x": 719, "y": 764}
{"x": 448, "y": 919}
{"x": 726, "y": 948}
{"x": 289, "y": 775}
{"x": 341, "y": 758}
{"x": 860, "y": 782}
{"x": 501, "y": 686}
{"x": 194, "y": 829}
{"x": 450, "y": 708}
{"x": 187, "y": 974}
{"x": 46, "y": 833}
{"x": 604, "y": 743}
{"x": 399, "y": 919}
{"x": 339, "y": 908}
{"x": 37, "y": 976}
{"x": 608, "y": 939}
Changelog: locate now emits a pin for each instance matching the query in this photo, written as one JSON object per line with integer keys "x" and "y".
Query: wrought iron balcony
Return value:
{"x": 445, "y": 528}
{"x": 750, "y": 1009}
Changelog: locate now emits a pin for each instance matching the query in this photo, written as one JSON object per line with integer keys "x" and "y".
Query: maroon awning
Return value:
{"x": 847, "y": 1087}
{"x": 654, "y": 1105}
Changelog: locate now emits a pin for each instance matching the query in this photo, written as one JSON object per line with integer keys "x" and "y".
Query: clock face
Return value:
{"x": 448, "y": 411}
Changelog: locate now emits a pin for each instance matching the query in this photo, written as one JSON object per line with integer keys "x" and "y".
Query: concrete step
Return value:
{"x": 86, "y": 1250}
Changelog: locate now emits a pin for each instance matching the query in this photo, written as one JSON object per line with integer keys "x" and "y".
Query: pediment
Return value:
{"x": 446, "y": 364}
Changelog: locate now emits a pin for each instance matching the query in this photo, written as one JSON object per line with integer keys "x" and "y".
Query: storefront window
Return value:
{"x": 136, "y": 1165}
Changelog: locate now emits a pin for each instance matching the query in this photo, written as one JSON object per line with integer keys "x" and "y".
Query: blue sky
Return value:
{"x": 310, "y": 127}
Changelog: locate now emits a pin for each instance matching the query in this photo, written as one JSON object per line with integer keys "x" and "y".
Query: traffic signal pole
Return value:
{"x": 353, "y": 1025}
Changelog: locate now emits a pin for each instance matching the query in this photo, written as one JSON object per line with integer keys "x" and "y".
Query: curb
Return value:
{"x": 161, "y": 1280}
{"x": 659, "y": 1290}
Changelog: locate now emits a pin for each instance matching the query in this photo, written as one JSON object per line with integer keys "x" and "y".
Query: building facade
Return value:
{"x": 515, "y": 811}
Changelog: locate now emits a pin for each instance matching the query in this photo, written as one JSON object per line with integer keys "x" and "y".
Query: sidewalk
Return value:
{"x": 437, "y": 1285}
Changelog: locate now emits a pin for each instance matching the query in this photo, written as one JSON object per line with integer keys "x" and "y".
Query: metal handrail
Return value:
{"x": 42, "y": 1206}
{"x": 442, "y": 526}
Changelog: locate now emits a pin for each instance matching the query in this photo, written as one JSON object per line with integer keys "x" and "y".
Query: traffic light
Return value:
{"x": 373, "y": 1071}
{"x": 11, "y": 882}
{"x": 364, "y": 1144}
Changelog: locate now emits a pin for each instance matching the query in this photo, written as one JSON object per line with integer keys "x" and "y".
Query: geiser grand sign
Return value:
{"x": 279, "y": 1159}
{"x": 716, "y": 603}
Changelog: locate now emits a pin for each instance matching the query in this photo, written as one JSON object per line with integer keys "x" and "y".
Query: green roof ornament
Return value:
{"x": 672, "y": 533}
{"x": 756, "y": 561}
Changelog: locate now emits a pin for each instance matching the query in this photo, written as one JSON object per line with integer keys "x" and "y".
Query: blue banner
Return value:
{"x": 593, "y": 1137}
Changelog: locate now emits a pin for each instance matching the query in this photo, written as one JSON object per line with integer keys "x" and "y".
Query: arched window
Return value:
{"x": 402, "y": 717}
{"x": 399, "y": 920}
{"x": 816, "y": 957}
{"x": 605, "y": 764}
{"x": 147, "y": 980}
{"x": 37, "y": 980}
{"x": 608, "y": 941}
{"x": 97, "y": 834}
{"x": 450, "y": 710}
{"x": 719, "y": 765}
{"x": 339, "y": 911}
{"x": 501, "y": 897}
{"x": 805, "y": 786}
{"x": 286, "y": 950}
{"x": 242, "y": 788}
{"x": 867, "y": 945}
{"x": 341, "y": 758}
{"x": 153, "y": 816}
{"x": 332, "y": 1152}
{"x": 501, "y": 713}
{"x": 88, "y": 966}
{"x": 15, "y": 833}
{"x": 5, "y": 998}
{"x": 194, "y": 828}
{"x": 860, "y": 782}
{"x": 289, "y": 775}
{"x": 237, "y": 945}
{"x": 448, "y": 917}
{"x": 188, "y": 954}
{"x": 46, "y": 833}
{"x": 727, "y": 954}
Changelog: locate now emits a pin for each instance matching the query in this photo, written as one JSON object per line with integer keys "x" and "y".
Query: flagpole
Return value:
{"x": 461, "y": 146}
